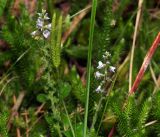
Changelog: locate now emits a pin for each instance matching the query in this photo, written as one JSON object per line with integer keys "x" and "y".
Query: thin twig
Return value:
{"x": 15, "y": 108}
{"x": 37, "y": 120}
{"x": 26, "y": 122}
{"x": 5, "y": 85}
{"x": 17, "y": 129}
{"x": 150, "y": 123}
{"x": 134, "y": 41}
{"x": 120, "y": 68}
{"x": 75, "y": 22}
{"x": 153, "y": 76}
{"x": 39, "y": 109}
{"x": 158, "y": 81}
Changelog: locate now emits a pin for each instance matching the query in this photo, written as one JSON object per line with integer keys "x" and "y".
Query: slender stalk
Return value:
{"x": 145, "y": 64}
{"x": 93, "y": 14}
{"x": 105, "y": 107}
{"x": 134, "y": 41}
{"x": 70, "y": 124}
{"x": 96, "y": 113}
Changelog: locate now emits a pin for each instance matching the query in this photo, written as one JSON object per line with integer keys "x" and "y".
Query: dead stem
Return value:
{"x": 75, "y": 22}
{"x": 17, "y": 129}
{"x": 145, "y": 64}
{"x": 39, "y": 109}
{"x": 15, "y": 108}
{"x": 134, "y": 41}
{"x": 111, "y": 132}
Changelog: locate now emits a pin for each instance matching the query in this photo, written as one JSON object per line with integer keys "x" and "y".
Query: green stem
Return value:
{"x": 102, "y": 115}
{"x": 93, "y": 14}
{"x": 70, "y": 124}
{"x": 106, "y": 104}
{"x": 96, "y": 113}
{"x": 59, "y": 131}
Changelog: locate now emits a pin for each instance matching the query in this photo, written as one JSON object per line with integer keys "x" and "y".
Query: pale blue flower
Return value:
{"x": 39, "y": 24}
{"x": 46, "y": 33}
{"x": 42, "y": 26}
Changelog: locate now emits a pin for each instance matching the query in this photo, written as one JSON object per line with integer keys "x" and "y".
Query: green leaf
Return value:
{"x": 2, "y": 6}
{"x": 65, "y": 89}
{"x": 77, "y": 52}
{"x": 65, "y": 120}
{"x": 78, "y": 131}
{"x": 88, "y": 84}
{"x": 41, "y": 98}
{"x": 78, "y": 89}
{"x": 3, "y": 123}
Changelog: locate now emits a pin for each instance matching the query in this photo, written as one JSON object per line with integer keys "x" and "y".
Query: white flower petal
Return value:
{"x": 34, "y": 33}
{"x": 39, "y": 14}
{"x": 104, "y": 56}
{"x": 99, "y": 89}
{"x": 46, "y": 17}
{"x": 43, "y": 11}
{"x": 46, "y": 33}
{"x": 48, "y": 26}
{"x": 113, "y": 22}
{"x": 107, "y": 62}
{"x": 112, "y": 69}
{"x": 100, "y": 65}
{"x": 98, "y": 75}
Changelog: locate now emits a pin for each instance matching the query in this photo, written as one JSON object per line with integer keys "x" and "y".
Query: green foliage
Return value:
{"x": 56, "y": 40}
{"x": 131, "y": 122}
{"x": 64, "y": 91}
{"x": 103, "y": 34}
{"x": 77, "y": 52}
{"x": 144, "y": 113}
{"x": 55, "y": 76}
{"x": 3, "y": 124}
{"x": 156, "y": 104}
{"x": 122, "y": 7}
{"x": 53, "y": 126}
{"x": 118, "y": 51}
{"x": 77, "y": 88}
{"x": 4, "y": 56}
{"x": 89, "y": 65}
{"x": 78, "y": 131}
{"x": 23, "y": 52}
{"x": 2, "y": 6}
{"x": 92, "y": 133}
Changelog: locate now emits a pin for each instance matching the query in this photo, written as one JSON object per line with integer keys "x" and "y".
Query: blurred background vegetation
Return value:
{"x": 38, "y": 99}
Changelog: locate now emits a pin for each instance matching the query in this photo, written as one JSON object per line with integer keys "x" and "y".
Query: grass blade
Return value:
{"x": 93, "y": 14}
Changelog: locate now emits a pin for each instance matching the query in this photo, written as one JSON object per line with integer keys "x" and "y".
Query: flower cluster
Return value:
{"x": 43, "y": 28}
{"x": 102, "y": 72}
